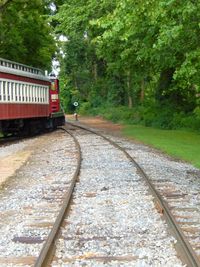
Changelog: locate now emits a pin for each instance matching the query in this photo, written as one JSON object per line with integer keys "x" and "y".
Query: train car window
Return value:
{"x": 44, "y": 89}
{"x": 38, "y": 93}
{"x": 45, "y": 95}
{"x": 11, "y": 91}
{"x": 20, "y": 92}
{"x": 29, "y": 93}
{"x": 34, "y": 94}
{"x": 8, "y": 91}
{"x": 42, "y": 94}
{"x": 16, "y": 92}
{"x": 16, "y": 86}
{"x": 4, "y": 91}
{"x": 26, "y": 94}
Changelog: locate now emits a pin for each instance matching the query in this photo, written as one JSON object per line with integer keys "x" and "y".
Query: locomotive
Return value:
{"x": 29, "y": 99}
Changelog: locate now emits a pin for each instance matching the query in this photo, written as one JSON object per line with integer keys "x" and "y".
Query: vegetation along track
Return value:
{"x": 187, "y": 253}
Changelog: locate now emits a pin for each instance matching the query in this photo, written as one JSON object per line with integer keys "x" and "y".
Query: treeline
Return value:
{"x": 138, "y": 60}
{"x": 144, "y": 55}
{"x": 26, "y": 35}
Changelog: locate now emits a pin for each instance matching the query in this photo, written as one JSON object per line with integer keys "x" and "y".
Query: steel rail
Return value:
{"x": 48, "y": 248}
{"x": 190, "y": 256}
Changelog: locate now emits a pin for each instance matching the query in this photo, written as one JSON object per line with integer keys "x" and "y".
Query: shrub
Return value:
{"x": 150, "y": 115}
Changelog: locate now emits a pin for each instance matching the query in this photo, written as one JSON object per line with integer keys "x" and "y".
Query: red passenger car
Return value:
{"x": 29, "y": 100}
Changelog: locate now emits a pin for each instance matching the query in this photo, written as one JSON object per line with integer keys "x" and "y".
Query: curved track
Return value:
{"x": 47, "y": 252}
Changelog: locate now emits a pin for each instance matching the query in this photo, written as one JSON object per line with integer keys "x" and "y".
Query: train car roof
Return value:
{"x": 11, "y": 67}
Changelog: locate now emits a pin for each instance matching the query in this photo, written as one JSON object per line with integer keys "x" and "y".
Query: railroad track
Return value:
{"x": 47, "y": 250}
{"x": 49, "y": 254}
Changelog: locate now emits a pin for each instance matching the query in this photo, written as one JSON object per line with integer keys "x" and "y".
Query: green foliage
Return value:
{"x": 85, "y": 108}
{"x": 141, "y": 54}
{"x": 25, "y": 35}
{"x": 148, "y": 115}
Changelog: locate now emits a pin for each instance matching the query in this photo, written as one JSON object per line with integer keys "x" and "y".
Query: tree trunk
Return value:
{"x": 130, "y": 100}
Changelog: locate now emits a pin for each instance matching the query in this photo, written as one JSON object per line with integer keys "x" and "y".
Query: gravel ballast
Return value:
{"x": 31, "y": 200}
{"x": 113, "y": 220}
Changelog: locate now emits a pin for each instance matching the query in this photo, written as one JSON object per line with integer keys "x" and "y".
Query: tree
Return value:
{"x": 26, "y": 36}
{"x": 151, "y": 47}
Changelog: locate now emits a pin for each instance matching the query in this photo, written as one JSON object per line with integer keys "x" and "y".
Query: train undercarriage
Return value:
{"x": 30, "y": 126}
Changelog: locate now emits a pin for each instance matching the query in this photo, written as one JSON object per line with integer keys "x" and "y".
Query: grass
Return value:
{"x": 183, "y": 145}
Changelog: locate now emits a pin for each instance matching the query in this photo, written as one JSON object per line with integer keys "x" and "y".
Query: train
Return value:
{"x": 29, "y": 99}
